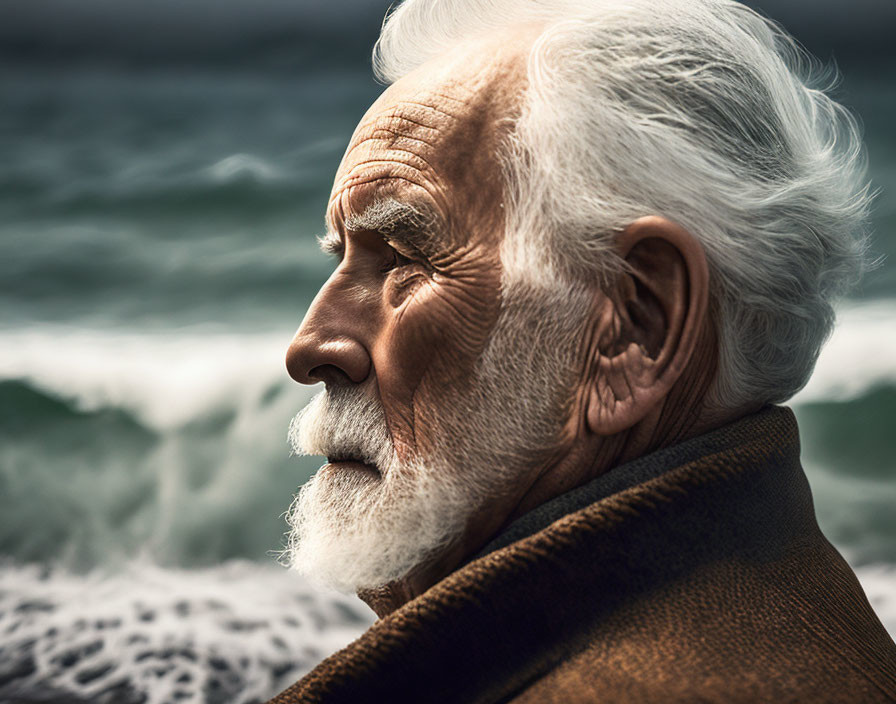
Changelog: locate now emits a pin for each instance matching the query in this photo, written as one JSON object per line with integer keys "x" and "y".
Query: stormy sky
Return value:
{"x": 284, "y": 30}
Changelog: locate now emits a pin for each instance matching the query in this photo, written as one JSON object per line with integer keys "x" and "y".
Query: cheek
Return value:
{"x": 436, "y": 333}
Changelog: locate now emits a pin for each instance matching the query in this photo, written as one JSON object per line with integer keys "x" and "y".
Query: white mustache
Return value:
{"x": 343, "y": 422}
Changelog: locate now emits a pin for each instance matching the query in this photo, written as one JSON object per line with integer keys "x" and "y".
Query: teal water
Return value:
{"x": 157, "y": 251}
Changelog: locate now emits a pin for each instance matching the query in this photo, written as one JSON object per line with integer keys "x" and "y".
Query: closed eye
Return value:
{"x": 396, "y": 260}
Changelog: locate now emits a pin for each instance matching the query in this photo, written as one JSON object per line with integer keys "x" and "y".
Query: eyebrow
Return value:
{"x": 416, "y": 225}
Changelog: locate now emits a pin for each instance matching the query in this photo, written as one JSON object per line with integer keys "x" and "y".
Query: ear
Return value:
{"x": 648, "y": 323}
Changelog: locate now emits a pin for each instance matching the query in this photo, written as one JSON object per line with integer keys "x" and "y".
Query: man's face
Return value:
{"x": 428, "y": 367}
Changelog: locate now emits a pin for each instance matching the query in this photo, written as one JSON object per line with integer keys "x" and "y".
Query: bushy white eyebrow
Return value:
{"x": 395, "y": 219}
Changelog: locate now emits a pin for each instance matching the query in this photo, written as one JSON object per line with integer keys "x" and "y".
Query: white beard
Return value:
{"x": 354, "y": 530}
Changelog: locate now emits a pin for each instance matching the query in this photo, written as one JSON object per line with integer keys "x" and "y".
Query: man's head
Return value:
{"x": 569, "y": 233}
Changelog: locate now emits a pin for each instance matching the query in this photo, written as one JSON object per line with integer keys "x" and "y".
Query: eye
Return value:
{"x": 395, "y": 260}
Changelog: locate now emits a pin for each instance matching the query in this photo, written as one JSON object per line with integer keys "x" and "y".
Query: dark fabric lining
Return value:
{"x": 617, "y": 479}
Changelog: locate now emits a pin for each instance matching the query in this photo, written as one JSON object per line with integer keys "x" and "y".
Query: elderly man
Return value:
{"x": 583, "y": 247}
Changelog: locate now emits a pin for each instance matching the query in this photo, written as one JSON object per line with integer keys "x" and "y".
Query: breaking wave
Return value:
{"x": 860, "y": 355}
{"x": 169, "y": 378}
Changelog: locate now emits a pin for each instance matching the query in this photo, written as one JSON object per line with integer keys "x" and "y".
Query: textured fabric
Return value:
{"x": 697, "y": 573}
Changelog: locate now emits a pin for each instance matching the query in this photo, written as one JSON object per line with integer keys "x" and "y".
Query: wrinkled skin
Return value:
{"x": 432, "y": 147}
{"x": 407, "y": 321}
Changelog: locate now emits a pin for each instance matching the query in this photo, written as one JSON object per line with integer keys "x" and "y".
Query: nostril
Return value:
{"x": 329, "y": 374}
{"x": 314, "y": 356}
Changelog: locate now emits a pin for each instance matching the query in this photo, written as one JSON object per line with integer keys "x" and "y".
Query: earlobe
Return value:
{"x": 648, "y": 324}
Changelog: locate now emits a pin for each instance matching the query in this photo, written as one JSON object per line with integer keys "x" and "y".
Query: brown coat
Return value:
{"x": 697, "y": 573}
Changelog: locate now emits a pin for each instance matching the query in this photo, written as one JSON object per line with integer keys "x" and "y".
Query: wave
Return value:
{"x": 240, "y": 166}
{"x": 860, "y": 355}
{"x": 165, "y": 379}
{"x": 240, "y": 184}
{"x": 172, "y": 443}
{"x": 237, "y": 632}
{"x": 169, "y": 378}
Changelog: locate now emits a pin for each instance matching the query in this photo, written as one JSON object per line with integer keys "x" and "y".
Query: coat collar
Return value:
{"x": 737, "y": 493}
{"x": 639, "y": 471}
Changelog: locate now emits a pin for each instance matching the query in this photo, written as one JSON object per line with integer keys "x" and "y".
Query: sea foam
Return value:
{"x": 244, "y": 166}
{"x": 236, "y": 633}
{"x": 860, "y": 355}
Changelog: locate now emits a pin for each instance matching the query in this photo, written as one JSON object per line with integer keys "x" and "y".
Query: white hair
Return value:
{"x": 696, "y": 110}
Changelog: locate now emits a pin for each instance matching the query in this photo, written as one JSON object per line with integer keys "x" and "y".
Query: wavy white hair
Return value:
{"x": 701, "y": 111}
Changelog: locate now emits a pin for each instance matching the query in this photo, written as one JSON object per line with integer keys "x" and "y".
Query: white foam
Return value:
{"x": 244, "y": 166}
{"x": 861, "y": 354}
{"x": 879, "y": 583}
{"x": 238, "y": 632}
{"x": 165, "y": 378}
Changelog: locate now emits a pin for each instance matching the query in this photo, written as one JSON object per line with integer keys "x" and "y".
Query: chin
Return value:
{"x": 355, "y": 528}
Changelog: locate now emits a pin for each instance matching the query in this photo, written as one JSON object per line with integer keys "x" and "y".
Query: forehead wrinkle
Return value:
{"x": 397, "y": 117}
{"x": 382, "y": 181}
{"x": 396, "y": 156}
{"x": 401, "y": 143}
{"x": 393, "y": 135}
{"x": 388, "y": 134}
{"x": 387, "y": 140}
{"x": 406, "y": 117}
{"x": 404, "y": 121}
{"x": 423, "y": 116}
{"x": 425, "y": 108}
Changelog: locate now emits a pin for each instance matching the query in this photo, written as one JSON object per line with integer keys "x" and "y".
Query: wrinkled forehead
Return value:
{"x": 432, "y": 139}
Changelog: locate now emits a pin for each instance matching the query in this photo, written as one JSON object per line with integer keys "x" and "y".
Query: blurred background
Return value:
{"x": 164, "y": 169}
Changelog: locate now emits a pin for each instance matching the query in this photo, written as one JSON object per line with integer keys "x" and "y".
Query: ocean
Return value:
{"x": 157, "y": 252}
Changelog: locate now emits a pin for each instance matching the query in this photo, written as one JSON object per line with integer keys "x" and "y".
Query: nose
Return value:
{"x": 327, "y": 346}
{"x": 314, "y": 357}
